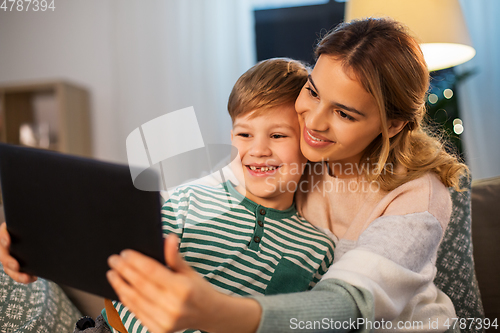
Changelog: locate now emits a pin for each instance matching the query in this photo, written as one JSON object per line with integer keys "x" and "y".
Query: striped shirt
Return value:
{"x": 240, "y": 247}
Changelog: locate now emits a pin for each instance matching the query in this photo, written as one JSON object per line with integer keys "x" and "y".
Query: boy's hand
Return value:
{"x": 10, "y": 264}
{"x": 176, "y": 298}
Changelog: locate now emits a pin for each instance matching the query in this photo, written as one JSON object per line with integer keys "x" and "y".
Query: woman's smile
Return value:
{"x": 315, "y": 140}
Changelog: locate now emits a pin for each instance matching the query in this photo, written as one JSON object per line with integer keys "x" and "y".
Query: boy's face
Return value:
{"x": 271, "y": 161}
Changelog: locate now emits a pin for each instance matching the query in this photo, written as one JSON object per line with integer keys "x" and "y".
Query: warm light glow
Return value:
{"x": 457, "y": 121}
{"x": 433, "y": 98}
{"x": 448, "y": 93}
{"x": 439, "y": 25}
{"x": 443, "y": 55}
{"x": 458, "y": 129}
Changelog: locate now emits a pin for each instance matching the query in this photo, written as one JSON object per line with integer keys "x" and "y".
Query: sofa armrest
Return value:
{"x": 486, "y": 236}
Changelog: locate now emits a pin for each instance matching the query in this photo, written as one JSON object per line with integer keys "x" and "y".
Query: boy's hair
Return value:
{"x": 389, "y": 63}
{"x": 270, "y": 83}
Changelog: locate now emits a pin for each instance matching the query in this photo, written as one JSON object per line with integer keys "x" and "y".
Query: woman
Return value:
{"x": 378, "y": 186}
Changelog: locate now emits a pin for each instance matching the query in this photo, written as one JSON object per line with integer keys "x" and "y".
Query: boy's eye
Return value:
{"x": 278, "y": 136}
{"x": 243, "y": 135}
{"x": 312, "y": 92}
{"x": 344, "y": 115}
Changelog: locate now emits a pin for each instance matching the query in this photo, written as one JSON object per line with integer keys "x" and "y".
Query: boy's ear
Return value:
{"x": 395, "y": 126}
{"x": 231, "y": 135}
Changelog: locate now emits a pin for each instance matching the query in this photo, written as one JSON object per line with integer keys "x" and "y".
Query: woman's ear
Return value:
{"x": 395, "y": 126}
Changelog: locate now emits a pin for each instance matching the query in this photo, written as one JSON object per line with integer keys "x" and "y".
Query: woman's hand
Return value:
{"x": 10, "y": 264}
{"x": 168, "y": 300}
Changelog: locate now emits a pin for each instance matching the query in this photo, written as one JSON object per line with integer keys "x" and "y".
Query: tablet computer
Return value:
{"x": 66, "y": 215}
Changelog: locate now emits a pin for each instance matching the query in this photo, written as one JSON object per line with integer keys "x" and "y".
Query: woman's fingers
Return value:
{"x": 132, "y": 274}
{"x": 147, "y": 311}
{"x": 160, "y": 304}
{"x": 131, "y": 265}
{"x": 164, "y": 299}
{"x": 10, "y": 264}
{"x": 151, "y": 279}
{"x": 134, "y": 266}
{"x": 20, "y": 277}
{"x": 172, "y": 257}
{"x": 4, "y": 235}
{"x": 4, "y": 245}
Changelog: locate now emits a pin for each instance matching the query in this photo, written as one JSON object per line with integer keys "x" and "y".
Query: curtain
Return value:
{"x": 179, "y": 53}
{"x": 479, "y": 95}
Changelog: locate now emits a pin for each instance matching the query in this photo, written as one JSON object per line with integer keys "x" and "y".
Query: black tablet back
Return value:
{"x": 66, "y": 215}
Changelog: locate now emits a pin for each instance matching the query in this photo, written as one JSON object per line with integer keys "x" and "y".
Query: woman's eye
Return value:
{"x": 344, "y": 115}
{"x": 312, "y": 92}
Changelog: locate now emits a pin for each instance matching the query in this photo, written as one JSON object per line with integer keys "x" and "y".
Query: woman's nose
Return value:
{"x": 316, "y": 119}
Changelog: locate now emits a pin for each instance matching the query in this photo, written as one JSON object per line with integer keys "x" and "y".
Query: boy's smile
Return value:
{"x": 262, "y": 170}
{"x": 271, "y": 161}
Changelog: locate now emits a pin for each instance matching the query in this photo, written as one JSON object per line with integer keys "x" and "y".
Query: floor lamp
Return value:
{"x": 438, "y": 24}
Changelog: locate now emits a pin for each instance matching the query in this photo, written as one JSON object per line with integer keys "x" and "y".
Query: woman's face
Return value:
{"x": 338, "y": 117}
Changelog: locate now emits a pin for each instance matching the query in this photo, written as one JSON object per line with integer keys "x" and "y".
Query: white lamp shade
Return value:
{"x": 438, "y": 24}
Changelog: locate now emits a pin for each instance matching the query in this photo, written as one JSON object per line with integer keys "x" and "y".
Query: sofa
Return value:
{"x": 486, "y": 240}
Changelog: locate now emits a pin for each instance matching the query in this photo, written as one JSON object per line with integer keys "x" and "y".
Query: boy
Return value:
{"x": 260, "y": 246}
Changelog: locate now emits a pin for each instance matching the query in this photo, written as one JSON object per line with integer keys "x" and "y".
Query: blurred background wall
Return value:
{"x": 73, "y": 42}
{"x": 140, "y": 60}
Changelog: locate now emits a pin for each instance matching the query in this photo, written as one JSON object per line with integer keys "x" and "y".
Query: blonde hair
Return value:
{"x": 268, "y": 84}
{"x": 389, "y": 63}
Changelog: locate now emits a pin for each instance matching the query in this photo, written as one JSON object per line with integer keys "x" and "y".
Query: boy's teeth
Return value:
{"x": 262, "y": 169}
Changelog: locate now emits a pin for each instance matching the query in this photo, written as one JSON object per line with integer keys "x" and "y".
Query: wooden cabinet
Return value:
{"x": 53, "y": 115}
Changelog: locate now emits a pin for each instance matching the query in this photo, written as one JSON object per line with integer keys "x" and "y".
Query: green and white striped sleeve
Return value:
{"x": 174, "y": 212}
